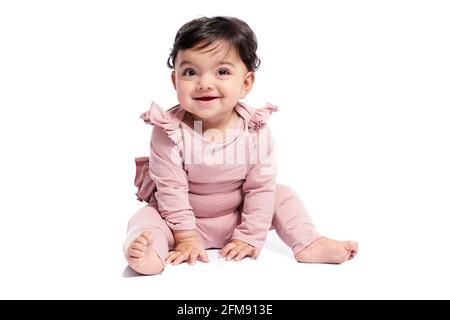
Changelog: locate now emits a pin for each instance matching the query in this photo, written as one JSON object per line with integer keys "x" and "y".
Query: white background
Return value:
{"x": 362, "y": 134}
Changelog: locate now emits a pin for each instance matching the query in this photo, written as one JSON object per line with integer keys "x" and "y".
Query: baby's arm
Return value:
{"x": 172, "y": 195}
{"x": 257, "y": 212}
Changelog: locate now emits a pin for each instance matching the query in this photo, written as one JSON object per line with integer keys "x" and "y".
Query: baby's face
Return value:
{"x": 210, "y": 81}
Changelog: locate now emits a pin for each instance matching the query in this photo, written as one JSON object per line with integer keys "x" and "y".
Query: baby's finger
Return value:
{"x": 226, "y": 249}
{"x": 182, "y": 257}
{"x": 171, "y": 256}
{"x": 223, "y": 252}
{"x": 246, "y": 251}
{"x": 255, "y": 253}
{"x": 203, "y": 257}
{"x": 233, "y": 253}
{"x": 193, "y": 256}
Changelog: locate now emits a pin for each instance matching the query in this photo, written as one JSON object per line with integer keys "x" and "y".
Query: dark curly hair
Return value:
{"x": 202, "y": 32}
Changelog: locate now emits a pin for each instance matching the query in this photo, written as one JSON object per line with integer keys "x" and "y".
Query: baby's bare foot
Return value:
{"x": 142, "y": 257}
{"x": 325, "y": 250}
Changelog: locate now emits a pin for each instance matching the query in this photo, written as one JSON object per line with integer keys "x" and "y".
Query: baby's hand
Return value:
{"x": 188, "y": 248}
{"x": 237, "y": 250}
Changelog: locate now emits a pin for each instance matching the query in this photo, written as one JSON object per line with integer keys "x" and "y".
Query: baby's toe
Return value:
{"x": 351, "y": 245}
{"x": 141, "y": 240}
{"x": 148, "y": 237}
{"x": 133, "y": 260}
{"x": 136, "y": 253}
{"x": 138, "y": 246}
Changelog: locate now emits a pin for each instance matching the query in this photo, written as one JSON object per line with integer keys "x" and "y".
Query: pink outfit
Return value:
{"x": 224, "y": 190}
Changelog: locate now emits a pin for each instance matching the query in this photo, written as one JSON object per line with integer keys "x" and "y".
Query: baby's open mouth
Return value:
{"x": 205, "y": 98}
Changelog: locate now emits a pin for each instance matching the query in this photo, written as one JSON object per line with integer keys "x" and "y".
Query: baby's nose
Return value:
{"x": 204, "y": 84}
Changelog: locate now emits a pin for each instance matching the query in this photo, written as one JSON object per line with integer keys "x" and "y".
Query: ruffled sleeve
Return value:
{"x": 255, "y": 118}
{"x": 169, "y": 120}
{"x": 162, "y": 174}
{"x": 261, "y": 116}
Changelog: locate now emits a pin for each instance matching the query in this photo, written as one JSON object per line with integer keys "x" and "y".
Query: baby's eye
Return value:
{"x": 223, "y": 72}
{"x": 189, "y": 72}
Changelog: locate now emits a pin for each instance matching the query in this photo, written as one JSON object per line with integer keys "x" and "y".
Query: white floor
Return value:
{"x": 86, "y": 263}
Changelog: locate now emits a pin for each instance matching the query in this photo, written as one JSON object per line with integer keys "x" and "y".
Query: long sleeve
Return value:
{"x": 166, "y": 170}
{"x": 259, "y": 191}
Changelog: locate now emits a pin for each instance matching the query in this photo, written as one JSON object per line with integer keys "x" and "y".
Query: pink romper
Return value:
{"x": 224, "y": 190}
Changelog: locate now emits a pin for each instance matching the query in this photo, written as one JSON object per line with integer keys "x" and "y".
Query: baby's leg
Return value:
{"x": 295, "y": 227}
{"x": 148, "y": 241}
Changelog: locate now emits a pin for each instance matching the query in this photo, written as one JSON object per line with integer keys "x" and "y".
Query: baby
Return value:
{"x": 210, "y": 179}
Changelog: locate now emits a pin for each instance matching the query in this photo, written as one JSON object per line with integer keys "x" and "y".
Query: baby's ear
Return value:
{"x": 248, "y": 84}
{"x": 174, "y": 79}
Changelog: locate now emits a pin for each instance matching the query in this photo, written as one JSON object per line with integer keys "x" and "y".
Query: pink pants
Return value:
{"x": 291, "y": 221}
